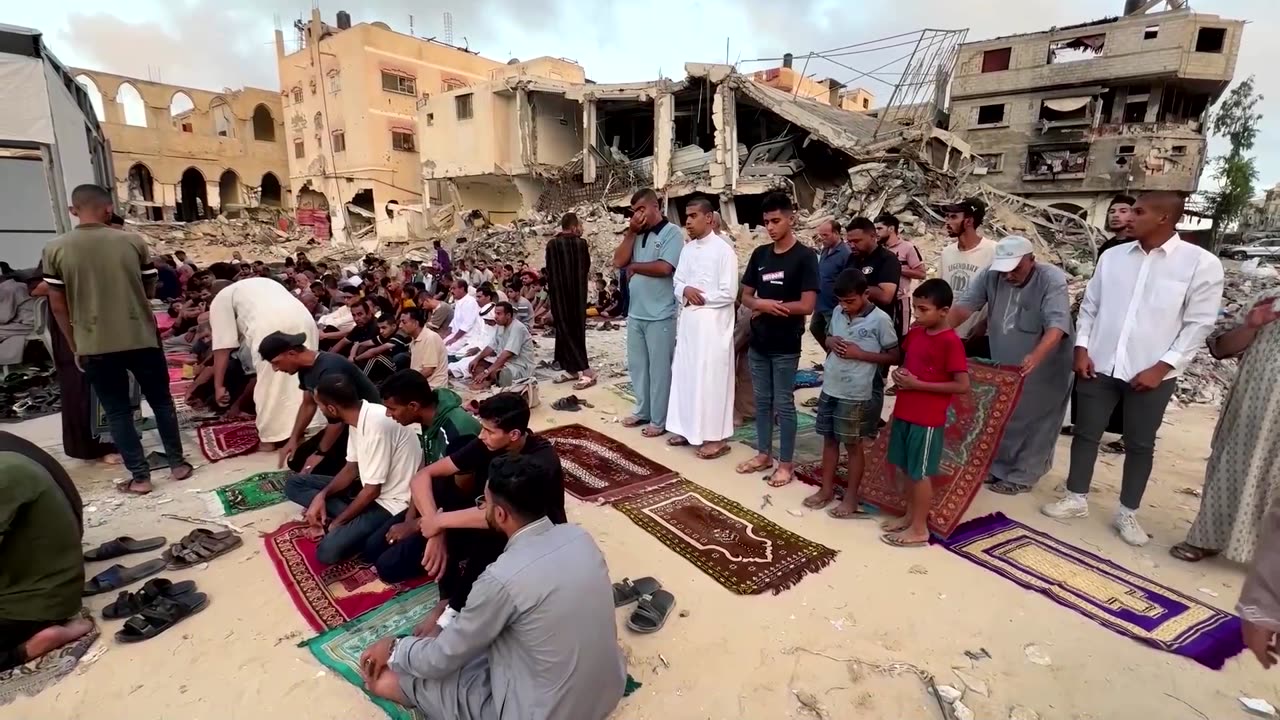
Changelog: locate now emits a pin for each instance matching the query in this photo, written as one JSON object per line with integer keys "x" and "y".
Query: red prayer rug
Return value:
{"x": 599, "y": 469}
{"x": 221, "y": 440}
{"x": 975, "y": 424}
{"x": 326, "y": 595}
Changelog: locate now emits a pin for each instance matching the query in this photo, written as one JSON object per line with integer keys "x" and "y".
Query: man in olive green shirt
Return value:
{"x": 41, "y": 568}
{"x": 99, "y": 281}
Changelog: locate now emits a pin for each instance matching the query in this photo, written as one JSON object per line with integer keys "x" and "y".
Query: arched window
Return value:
{"x": 264, "y": 124}
{"x": 130, "y": 101}
{"x": 297, "y": 94}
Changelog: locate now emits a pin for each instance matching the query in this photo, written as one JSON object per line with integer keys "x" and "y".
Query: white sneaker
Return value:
{"x": 1070, "y": 506}
{"x": 1130, "y": 530}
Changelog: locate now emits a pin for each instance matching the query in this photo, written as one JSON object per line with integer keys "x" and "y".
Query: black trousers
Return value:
{"x": 818, "y": 328}
{"x": 333, "y": 461}
{"x": 1143, "y": 413}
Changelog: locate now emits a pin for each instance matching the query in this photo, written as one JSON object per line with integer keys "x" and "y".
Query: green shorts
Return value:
{"x": 916, "y": 449}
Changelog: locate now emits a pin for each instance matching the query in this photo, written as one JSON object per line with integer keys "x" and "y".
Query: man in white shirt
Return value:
{"x": 1147, "y": 309}
{"x": 344, "y": 512}
{"x": 466, "y": 317}
{"x": 962, "y": 260}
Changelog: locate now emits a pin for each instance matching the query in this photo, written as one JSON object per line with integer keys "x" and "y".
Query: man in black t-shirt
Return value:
{"x": 780, "y": 287}
{"x": 460, "y": 543}
{"x": 324, "y": 453}
{"x": 883, "y": 271}
{"x": 365, "y": 330}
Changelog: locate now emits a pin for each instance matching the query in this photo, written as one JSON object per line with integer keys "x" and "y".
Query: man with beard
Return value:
{"x": 568, "y": 264}
{"x": 1030, "y": 327}
{"x": 962, "y": 260}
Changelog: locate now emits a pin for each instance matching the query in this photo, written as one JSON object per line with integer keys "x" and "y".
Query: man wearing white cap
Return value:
{"x": 1029, "y": 325}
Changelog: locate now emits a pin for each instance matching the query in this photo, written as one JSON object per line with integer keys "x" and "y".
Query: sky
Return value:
{"x": 214, "y": 44}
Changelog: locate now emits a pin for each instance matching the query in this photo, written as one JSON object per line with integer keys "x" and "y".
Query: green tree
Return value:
{"x": 1236, "y": 172}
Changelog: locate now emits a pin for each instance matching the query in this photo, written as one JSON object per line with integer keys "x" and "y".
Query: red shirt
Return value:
{"x": 931, "y": 358}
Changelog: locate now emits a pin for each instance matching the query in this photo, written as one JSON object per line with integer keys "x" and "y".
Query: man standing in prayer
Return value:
{"x": 833, "y": 257}
{"x": 568, "y": 265}
{"x": 1241, "y": 478}
{"x": 1030, "y": 327}
{"x": 701, "y": 407}
{"x": 466, "y": 318}
{"x": 100, "y": 281}
{"x": 911, "y": 264}
{"x": 1135, "y": 337}
{"x": 780, "y": 286}
{"x": 962, "y": 260}
{"x": 241, "y": 316}
{"x": 648, "y": 254}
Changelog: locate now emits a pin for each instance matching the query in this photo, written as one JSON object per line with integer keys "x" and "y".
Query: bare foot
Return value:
{"x": 266, "y": 447}
{"x": 907, "y": 538}
{"x": 181, "y": 471}
{"x": 113, "y": 459}
{"x": 754, "y": 465}
{"x": 52, "y": 638}
{"x": 893, "y": 525}
{"x": 314, "y": 533}
{"x": 819, "y": 499}
{"x": 135, "y": 487}
{"x": 780, "y": 477}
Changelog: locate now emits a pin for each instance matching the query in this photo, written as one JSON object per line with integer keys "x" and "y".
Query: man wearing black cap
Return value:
{"x": 325, "y": 452}
{"x": 964, "y": 259}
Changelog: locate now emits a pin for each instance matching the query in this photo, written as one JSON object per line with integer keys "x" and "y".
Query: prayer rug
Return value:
{"x": 1099, "y": 589}
{"x": 259, "y": 490}
{"x": 975, "y": 424}
{"x": 221, "y": 440}
{"x": 746, "y": 433}
{"x": 623, "y": 390}
{"x": 339, "y": 649}
{"x": 599, "y": 469}
{"x": 28, "y": 680}
{"x": 742, "y": 550}
{"x": 326, "y": 595}
{"x": 808, "y": 379}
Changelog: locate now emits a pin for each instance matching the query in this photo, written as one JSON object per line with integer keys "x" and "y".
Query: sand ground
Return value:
{"x": 726, "y": 656}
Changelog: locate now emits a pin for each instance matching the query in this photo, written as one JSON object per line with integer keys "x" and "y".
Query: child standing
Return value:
{"x": 934, "y": 368}
{"x": 861, "y": 338}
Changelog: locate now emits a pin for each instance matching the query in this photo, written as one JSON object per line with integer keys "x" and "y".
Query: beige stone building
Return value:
{"x": 830, "y": 91}
{"x": 351, "y": 95}
{"x": 184, "y": 153}
{"x": 1071, "y": 116}
{"x": 1263, "y": 214}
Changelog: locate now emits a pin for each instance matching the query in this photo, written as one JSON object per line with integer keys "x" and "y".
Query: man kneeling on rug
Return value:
{"x": 41, "y": 569}
{"x": 537, "y": 638}
{"x": 344, "y": 512}
{"x": 460, "y": 541}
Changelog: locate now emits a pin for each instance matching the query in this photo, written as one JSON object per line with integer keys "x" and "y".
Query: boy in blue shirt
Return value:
{"x": 861, "y": 339}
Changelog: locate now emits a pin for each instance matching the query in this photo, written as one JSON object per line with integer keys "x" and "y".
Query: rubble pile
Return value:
{"x": 264, "y": 236}
{"x": 1207, "y": 379}
{"x": 526, "y": 240}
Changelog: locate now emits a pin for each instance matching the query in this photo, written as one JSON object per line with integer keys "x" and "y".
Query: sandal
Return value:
{"x": 631, "y": 421}
{"x": 132, "y": 603}
{"x": 714, "y": 454}
{"x": 653, "y": 432}
{"x": 746, "y": 467}
{"x": 1190, "y": 553}
{"x": 810, "y": 403}
{"x": 896, "y": 540}
{"x": 563, "y": 378}
{"x": 569, "y": 403}
{"x": 651, "y": 612}
{"x": 122, "y": 545}
{"x": 629, "y": 591}
{"x": 118, "y": 576}
{"x": 677, "y": 441}
{"x": 813, "y": 503}
{"x": 584, "y": 383}
{"x": 161, "y": 615}
{"x": 1004, "y": 487}
{"x": 857, "y": 514}
{"x": 773, "y": 482}
{"x": 203, "y": 549}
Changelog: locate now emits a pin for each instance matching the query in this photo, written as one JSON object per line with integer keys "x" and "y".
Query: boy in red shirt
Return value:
{"x": 933, "y": 369}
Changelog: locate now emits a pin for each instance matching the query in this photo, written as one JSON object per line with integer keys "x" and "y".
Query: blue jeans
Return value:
{"x": 346, "y": 540}
{"x": 773, "y": 378}
{"x": 651, "y": 346}
{"x": 109, "y": 376}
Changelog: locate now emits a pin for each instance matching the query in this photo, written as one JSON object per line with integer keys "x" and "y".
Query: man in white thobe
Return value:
{"x": 700, "y": 411}
{"x": 240, "y": 316}
{"x": 466, "y": 319}
{"x": 477, "y": 340}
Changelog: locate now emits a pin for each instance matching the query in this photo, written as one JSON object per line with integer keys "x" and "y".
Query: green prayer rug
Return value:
{"x": 746, "y": 433}
{"x": 339, "y": 649}
{"x": 260, "y": 490}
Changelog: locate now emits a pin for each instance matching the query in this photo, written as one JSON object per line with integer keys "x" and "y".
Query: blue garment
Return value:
{"x": 654, "y": 298}
{"x": 831, "y": 262}
{"x": 872, "y": 331}
{"x": 651, "y": 346}
{"x": 773, "y": 379}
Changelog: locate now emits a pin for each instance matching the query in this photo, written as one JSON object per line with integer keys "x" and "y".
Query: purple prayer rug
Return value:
{"x": 1099, "y": 589}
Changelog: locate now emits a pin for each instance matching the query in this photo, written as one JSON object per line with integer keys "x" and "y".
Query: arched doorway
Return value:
{"x": 140, "y": 187}
{"x": 193, "y": 203}
{"x": 131, "y": 104}
{"x": 229, "y": 197}
{"x": 180, "y": 110}
{"x": 264, "y": 125}
{"x": 95, "y": 95}
{"x": 270, "y": 192}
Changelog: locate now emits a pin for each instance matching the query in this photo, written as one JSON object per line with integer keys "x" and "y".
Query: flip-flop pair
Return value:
{"x": 653, "y": 604}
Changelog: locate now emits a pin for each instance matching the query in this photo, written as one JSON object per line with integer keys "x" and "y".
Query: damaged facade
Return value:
{"x": 182, "y": 153}
{"x": 350, "y": 96}
{"x": 1072, "y": 116}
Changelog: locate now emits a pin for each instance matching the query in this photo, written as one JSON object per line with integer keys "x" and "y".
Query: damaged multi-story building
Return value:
{"x": 528, "y": 141}
{"x": 182, "y": 153}
{"x": 1071, "y": 116}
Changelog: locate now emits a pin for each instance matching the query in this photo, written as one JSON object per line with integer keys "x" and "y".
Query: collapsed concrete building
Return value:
{"x": 1071, "y": 116}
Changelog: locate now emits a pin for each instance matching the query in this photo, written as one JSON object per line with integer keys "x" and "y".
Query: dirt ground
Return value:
{"x": 726, "y": 656}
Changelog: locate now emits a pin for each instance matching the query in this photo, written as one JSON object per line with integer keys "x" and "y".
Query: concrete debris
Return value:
{"x": 1207, "y": 379}
{"x": 526, "y": 240}
{"x": 1020, "y": 712}
{"x": 264, "y": 236}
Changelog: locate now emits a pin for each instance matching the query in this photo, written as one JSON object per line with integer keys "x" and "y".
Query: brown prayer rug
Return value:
{"x": 599, "y": 469}
{"x": 744, "y": 551}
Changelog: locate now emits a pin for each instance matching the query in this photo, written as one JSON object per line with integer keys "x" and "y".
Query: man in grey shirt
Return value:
{"x": 509, "y": 357}
{"x": 1029, "y": 325}
{"x": 537, "y": 638}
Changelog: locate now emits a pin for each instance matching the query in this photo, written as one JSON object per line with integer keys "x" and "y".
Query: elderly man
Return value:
{"x": 466, "y": 318}
{"x": 706, "y": 282}
{"x": 833, "y": 258}
{"x": 479, "y": 340}
{"x": 649, "y": 253}
{"x": 537, "y": 637}
{"x": 1029, "y": 323}
{"x": 1147, "y": 309}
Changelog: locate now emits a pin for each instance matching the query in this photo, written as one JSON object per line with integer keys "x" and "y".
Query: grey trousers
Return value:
{"x": 651, "y": 346}
{"x": 1143, "y": 414}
